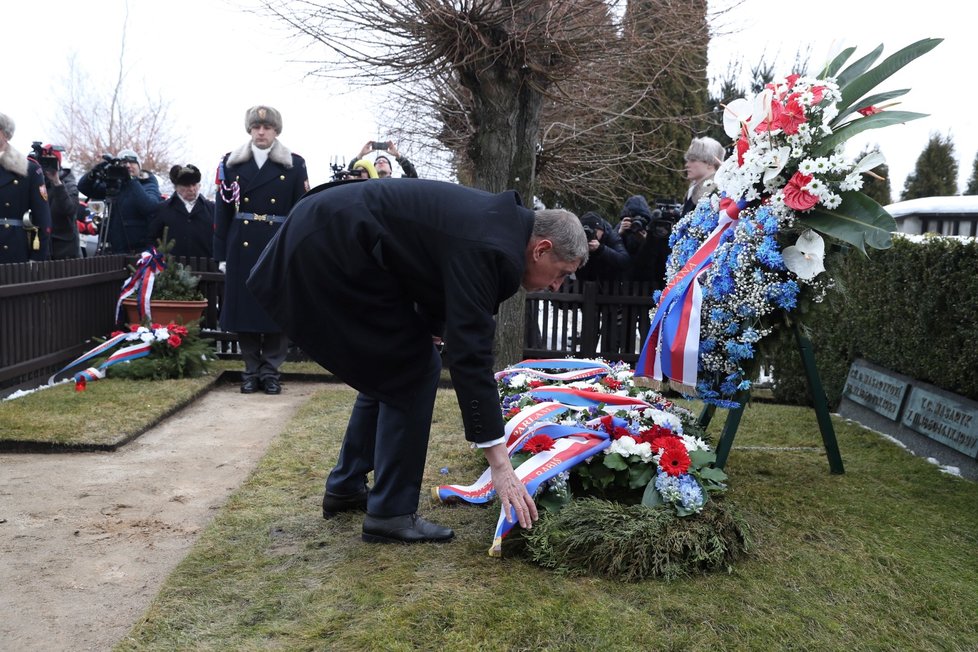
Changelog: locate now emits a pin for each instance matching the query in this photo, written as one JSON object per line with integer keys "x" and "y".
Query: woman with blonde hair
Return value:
{"x": 703, "y": 158}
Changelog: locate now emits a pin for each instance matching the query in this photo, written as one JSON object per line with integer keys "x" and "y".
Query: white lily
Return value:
{"x": 805, "y": 257}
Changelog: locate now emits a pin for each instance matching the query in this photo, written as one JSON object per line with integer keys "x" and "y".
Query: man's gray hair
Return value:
{"x": 564, "y": 230}
{"x": 706, "y": 150}
{"x": 7, "y": 125}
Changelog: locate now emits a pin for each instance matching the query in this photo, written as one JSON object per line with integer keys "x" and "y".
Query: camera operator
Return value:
{"x": 607, "y": 257}
{"x": 22, "y": 189}
{"x": 382, "y": 162}
{"x": 133, "y": 196}
{"x": 62, "y": 191}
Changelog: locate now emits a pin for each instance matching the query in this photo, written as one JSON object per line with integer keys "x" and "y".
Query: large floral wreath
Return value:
{"x": 750, "y": 256}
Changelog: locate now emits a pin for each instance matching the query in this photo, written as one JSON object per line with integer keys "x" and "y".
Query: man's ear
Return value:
{"x": 541, "y": 247}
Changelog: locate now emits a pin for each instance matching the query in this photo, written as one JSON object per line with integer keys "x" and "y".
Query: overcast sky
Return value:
{"x": 213, "y": 61}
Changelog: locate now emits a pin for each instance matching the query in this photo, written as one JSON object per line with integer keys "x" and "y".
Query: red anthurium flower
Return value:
{"x": 538, "y": 444}
{"x": 792, "y": 116}
{"x": 795, "y": 196}
{"x": 742, "y": 146}
{"x": 791, "y": 79}
{"x": 174, "y": 341}
{"x": 674, "y": 460}
{"x": 818, "y": 92}
{"x": 869, "y": 110}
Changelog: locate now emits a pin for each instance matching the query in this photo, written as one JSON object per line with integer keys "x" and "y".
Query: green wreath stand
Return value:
{"x": 729, "y": 431}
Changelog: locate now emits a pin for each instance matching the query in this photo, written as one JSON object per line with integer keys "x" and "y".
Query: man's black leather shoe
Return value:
{"x": 333, "y": 504}
{"x": 272, "y": 386}
{"x": 249, "y": 386}
{"x": 409, "y": 528}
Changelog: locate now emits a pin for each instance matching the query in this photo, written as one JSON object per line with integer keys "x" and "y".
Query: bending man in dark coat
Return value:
{"x": 361, "y": 276}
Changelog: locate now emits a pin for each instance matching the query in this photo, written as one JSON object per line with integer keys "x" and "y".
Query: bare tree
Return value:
{"x": 92, "y": 122}
{"x": 573, "y": 89}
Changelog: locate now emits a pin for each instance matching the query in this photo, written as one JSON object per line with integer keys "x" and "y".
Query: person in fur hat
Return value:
{"x": 257, "y": 185}
{"x": 188, "y": 215}
{"x": 21, "y": 190}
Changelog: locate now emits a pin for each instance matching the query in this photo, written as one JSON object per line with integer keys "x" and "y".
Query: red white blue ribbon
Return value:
{"x": 575, "y": 369}
{"x": 150, "y": 263}
{"x": 671, "y": 349}
{"x": 132, "y": 352}
{"x": 583, "y": 398}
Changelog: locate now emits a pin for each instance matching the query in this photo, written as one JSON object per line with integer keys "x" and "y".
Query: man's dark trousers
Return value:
{"x": 263, "y": 354}
{"x": 393, "y": 443}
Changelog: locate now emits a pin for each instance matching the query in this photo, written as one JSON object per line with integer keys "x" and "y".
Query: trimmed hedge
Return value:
{"x": 912, "y": 309}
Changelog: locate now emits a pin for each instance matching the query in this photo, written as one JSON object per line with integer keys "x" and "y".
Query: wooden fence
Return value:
{"x": 50, "y": 312}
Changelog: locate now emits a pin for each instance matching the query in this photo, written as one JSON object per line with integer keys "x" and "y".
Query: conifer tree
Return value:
{"x": 877, "y": 189}
{"x": 936, "y": 171}
{"x": 972, "y": 188}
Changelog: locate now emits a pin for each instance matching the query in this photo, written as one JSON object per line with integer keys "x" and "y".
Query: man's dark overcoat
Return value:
{"x": 19, "y": 194}
{"x": 267, "y": 195}
{"x": 192, "y": 233}
{"x": 362, "y": 271}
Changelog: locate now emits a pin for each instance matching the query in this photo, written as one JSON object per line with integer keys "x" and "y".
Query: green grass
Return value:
{"x": 881, "y": 558}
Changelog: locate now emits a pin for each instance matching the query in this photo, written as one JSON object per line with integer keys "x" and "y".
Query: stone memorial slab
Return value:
{"x": 951, "y": 422}
{"x": 875, "y": 389}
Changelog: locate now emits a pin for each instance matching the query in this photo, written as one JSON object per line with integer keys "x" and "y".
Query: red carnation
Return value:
{"x": 536, "y": 383}
{"x": 154, "y": 326}
{"x": 795, "y": 196}
{"x": 176, "y": 328}
{"x": 174, "y": 341}
{"x": 607, "y": 423}
{"x": 674, "y": 459}
{"x": 538, "y": 444}
{"x": 80, "y": 384}
{"x": 513, "y": 411}
{"x": 133, "y": 328}
{"x": 620, "y": 432}
{"x": 611, "y": 383}
{"x": 115, "y": 334}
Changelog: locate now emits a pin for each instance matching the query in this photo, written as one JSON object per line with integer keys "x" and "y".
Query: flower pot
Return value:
{"x": 164, "y": 312}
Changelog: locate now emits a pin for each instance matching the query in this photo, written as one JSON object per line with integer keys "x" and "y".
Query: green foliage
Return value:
{"x": 177, "y": 282}
{"x": 184, "y": 355}
{"x": 634, "y": 542}
{"x": 972, "y": 188}
{"x": 910, "y": 309}
{"x": 936, "y": 171}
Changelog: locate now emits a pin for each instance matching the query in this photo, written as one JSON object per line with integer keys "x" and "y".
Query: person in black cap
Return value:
{"x": 188, "y": 215}
{"x": 258, "y": 184}
{"x": 607, "y": 258}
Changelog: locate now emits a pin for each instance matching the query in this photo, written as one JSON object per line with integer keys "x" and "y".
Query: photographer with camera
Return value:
{"x": 132, "y": 196}
{"x": 22, "y": 189}
{"x": 645, "y": 233}
{"x": 382, "y": 162}
{"x": 62, "y": 191}
{"x": 607, "y": 257}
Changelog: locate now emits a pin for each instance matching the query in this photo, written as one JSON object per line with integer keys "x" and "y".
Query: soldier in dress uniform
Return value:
{"x": 257, "y": 185}
{"x": 21, "y": 190}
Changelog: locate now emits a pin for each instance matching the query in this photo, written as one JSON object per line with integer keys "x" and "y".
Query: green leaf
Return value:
{"x": 712, "y": 474}
{"x": 872, "y": 100}
{"x": 699, "y": 459}
{"x": 837, "y": 63}
{"x": 859, "y": 66}
{"x": 651, "y": 497}
{"x": 850, "y": 129}
{"x": 859, "y": 220}
{"x": 615, "y": 461}
{"x": 639, "y": 476}
{"x": 866, "y": 82}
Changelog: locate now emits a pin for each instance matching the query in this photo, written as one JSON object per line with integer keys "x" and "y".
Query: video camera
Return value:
{"x": 112, "y": 172}
{"x": 665, "y": 214}
{"x": 46, "y": 157}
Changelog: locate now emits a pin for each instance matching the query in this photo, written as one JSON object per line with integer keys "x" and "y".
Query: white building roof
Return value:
{"x": 958, "y": 204}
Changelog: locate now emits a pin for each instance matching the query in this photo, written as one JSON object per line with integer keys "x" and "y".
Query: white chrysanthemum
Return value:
{"x": 146, "y": 337}
{"x": 694, "y": 443}
{"x": 518, "y": 380}
{"x": 626, "y": 446}
{"x": 831, "y": 200}
{"x": 666, "y": 420}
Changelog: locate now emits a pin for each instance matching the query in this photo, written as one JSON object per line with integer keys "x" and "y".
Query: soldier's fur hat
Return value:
{"x": 7, "y": 125}
{"x": 263, "y": 115}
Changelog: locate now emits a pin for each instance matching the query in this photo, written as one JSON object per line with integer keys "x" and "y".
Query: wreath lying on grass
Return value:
{"x": 622, "y": 476}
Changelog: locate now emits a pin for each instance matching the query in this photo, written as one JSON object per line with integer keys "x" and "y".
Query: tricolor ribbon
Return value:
{"x": 671, "y": 349}
{"x": 150, "y": 263}
{"x": 576, "y": 369}
{"x": 585, "y": 399}
{"x": 133, "y": 352}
